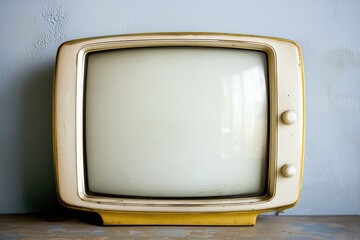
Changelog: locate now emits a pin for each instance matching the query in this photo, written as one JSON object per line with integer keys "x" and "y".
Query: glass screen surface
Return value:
{"x": 176, "y": 122}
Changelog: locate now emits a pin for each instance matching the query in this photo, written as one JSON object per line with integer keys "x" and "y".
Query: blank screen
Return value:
{"x": 177, "y": 122}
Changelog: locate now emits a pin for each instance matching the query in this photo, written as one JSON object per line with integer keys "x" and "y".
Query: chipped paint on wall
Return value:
{"x": 50, "y": 27}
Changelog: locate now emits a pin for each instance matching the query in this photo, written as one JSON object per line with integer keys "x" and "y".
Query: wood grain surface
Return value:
{"x": 86, "y": 226}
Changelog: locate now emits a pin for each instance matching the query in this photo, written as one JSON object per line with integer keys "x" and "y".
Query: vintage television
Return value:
{"x": 179, "y": 128}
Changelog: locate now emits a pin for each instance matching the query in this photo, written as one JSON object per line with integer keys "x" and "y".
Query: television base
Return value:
{"x": 144, "y": 218}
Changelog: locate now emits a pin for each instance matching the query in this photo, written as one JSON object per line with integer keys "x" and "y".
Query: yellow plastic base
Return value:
{"x": 135, "y": 218}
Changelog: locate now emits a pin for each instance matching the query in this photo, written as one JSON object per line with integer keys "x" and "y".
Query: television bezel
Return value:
{"x": 286, "y": 141}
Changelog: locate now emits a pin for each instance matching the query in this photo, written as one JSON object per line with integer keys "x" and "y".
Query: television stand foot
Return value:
{"x": 156, "y": 218}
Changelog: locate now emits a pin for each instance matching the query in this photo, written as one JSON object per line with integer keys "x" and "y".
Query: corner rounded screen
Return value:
{"x": 176, "y": 122}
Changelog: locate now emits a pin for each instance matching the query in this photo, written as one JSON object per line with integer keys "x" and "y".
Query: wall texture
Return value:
{"x": 328, "y": 31}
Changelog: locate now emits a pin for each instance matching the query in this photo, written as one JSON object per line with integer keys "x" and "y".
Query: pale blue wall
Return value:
{"x": 328, "y": 31}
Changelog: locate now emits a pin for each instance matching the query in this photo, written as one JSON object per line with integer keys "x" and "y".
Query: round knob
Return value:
{"x": 288, "y": 170}
{"x": 289, "y": 117}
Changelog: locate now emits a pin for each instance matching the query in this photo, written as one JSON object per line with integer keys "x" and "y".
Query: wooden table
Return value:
{"x": 83, "y": 226}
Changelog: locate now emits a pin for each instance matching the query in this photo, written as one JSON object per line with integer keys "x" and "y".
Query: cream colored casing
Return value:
{"x": 286, "y": 134}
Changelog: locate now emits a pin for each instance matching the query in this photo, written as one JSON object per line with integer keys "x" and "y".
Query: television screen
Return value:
{"x": 179, "y": 128}
{"x": 156, "y": 117}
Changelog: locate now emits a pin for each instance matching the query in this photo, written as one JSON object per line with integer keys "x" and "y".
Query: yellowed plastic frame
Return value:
{"x": 286, "y": 142}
